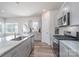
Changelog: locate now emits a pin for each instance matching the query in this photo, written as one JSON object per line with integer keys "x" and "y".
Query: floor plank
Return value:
{"x": 41, "y": 49}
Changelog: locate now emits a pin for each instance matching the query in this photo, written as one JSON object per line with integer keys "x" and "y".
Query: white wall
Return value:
{"x": 53, "y": 15}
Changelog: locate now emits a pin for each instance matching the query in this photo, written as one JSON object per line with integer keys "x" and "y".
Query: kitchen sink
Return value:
{"x": 18, "y": 38}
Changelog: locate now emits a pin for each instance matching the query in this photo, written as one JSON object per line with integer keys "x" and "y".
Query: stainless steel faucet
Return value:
{"x": 15, "y": 35}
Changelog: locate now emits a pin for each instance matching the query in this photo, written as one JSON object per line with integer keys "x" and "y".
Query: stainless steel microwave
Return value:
{"x": 64, "y": 20}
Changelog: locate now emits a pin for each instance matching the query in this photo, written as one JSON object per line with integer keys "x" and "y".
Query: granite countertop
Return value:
{"x": 64, "y": 37}
{"x": 8, "y": 44}
{"x": 73, "y": 45}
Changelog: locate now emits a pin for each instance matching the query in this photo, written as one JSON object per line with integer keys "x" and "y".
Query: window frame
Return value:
{"x": 1, "y": 28}
{"x": 6, "y": 28}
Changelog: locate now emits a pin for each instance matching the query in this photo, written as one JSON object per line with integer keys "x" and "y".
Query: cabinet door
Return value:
{"x": 72, "y": 53}
{"x": 29, "y": 46}
{"x": 32, "y": 39}
{"x": 23, "y": 50}
{"x": 19, "y": 51}
{"x": 63, "y": 50}
{"x": 11, "y": 53}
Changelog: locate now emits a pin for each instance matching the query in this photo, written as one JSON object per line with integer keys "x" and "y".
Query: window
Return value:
{"x": 35, "y": 26}
{"x": 11, "y": 28}
{"x": 26, "y": 28}
{"x": 0, "y": 28}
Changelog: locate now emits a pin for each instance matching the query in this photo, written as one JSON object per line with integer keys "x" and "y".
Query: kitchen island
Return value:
{"x": 14, "y": 48}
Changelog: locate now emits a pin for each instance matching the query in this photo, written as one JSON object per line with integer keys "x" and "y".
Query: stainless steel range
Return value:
{"x": 56, "y": 42}
{"x": 69, "y": 33}
{"x": 56, "y": 47}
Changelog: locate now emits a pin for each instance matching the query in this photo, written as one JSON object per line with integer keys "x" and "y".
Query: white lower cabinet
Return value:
{"x": 22, "y": 50}
{"x": 65, "y": 51}
{"x": 11, "y": 53}
{"x": 72, "y": 53}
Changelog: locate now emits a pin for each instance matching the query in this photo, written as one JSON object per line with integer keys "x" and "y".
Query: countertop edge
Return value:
{"x": 15, "y": 46}
{"x": 69, "y": 47}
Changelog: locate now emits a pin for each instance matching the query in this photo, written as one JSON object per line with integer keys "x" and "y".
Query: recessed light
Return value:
{"x": 17, "y": 3}
{"x": 44, "y": 10}
{"x": 2, "y": 10}
{"x": 66, "y": 9}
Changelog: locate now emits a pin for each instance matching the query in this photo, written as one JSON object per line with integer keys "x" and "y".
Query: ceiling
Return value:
{"x": 19, "y": 9}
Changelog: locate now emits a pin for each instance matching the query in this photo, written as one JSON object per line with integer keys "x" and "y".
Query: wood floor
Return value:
{"x": 41, "y": 49}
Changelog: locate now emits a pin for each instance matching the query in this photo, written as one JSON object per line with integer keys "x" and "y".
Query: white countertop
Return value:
{"x": 74, "y": 45}
{"x": 7, "y": 45}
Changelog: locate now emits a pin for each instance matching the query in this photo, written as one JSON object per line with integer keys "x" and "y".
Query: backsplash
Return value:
{"x": 72, "y": 29}
{"x": 61, "y": 31}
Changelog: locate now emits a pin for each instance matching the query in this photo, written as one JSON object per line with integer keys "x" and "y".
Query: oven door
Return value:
{"x": 56, "y": 47}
